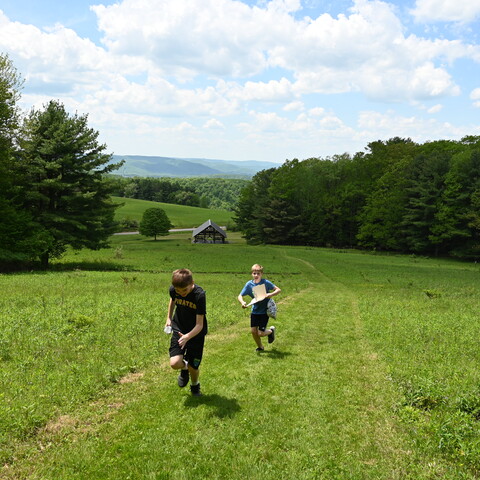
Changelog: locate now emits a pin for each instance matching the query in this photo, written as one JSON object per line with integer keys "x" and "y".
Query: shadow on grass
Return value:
{"x": 89, "y": 266}
{"x": 274, "y": 353}
{"x": 222, "y": 407}
{"x": 35, "y": 267}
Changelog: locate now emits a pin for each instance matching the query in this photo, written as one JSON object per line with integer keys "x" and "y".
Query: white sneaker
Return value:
{"x": 271, "y": 337}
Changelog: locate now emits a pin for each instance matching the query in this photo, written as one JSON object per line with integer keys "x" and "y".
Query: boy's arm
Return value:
{"x": 171, "y": 306}
{"x": 243, "y": 303}
{"x": 274, "y": 292}
{"x": 193, "y": 332}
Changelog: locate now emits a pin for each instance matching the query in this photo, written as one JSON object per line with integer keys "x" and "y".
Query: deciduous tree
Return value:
{"x": 155, "y": 222}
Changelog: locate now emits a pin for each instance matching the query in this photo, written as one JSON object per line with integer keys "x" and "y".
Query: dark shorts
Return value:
{"x": 192, "y": 352}
{"x": 259, "y": 320}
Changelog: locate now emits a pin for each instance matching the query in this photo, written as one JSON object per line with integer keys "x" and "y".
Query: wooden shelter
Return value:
{"x": 208, "y": 232}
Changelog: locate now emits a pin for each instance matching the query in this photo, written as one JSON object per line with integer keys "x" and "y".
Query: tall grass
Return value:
{"x": 374, "y": 373}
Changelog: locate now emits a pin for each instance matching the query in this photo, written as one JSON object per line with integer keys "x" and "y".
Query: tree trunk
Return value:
{"x": 44, "y": 260}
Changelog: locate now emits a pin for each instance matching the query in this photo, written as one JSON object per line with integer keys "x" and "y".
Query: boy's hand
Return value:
{"x": 182, "y": 340}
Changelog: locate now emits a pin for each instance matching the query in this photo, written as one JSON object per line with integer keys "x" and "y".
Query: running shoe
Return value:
{"x": 195, "y": 389}
{"x": 271, "y": 337}
{"x": 183, "y": 378}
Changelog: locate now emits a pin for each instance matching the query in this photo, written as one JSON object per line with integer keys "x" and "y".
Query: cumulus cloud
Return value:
{"x": 390, "y": 124}
{"x": 213, "y": 123}
{"x": 306, "y": 125}
{"x": 294, "y": 106}
{"x": 218, "y": 37}
{"x": 430, "y": 11}
{"x": 169, "y": 66}
{"x": 365, "y": 51}
{"x": 273, "y": 91}
{"x": 223, "y": 38}
{"x": 475, "y": 96}
{"x": 435, "y": 109}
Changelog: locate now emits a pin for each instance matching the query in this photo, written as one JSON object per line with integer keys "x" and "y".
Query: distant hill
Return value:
{"x": 152, "y": 166}
{"x": 182, "y": 216}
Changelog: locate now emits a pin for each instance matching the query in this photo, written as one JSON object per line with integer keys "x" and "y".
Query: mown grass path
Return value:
{"x": 317, "y": 404}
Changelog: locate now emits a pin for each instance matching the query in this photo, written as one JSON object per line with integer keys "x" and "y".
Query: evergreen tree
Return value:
{"x": 384, "y": 209}
{"x": 424, "y": 188}
{"x": 19, "y": 236}
{"x": 243, "y": 211}
{"x": 250, "y": 211}
{"x": 154, "y": 222}
{"x": 61, "y": 168}
{"x": 281, "y": 222}
{"x": 456, "y": 230}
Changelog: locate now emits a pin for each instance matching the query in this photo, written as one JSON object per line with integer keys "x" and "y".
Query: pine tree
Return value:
{"x": 61, "y": 171}
{"x": 19, "y": 236}
{"x": 457, "y": 221}
{"x": 425, "y": 186}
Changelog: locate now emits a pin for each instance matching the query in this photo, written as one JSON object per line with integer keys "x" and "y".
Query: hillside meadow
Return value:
{"x": 181, "y": 216}
{"x": 373, "y": 375}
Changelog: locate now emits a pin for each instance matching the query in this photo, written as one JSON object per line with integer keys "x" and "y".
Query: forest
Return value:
{"x": 397, "y": 195}
{"x": 205, "y": 192}
{"x": 56, "y": 185}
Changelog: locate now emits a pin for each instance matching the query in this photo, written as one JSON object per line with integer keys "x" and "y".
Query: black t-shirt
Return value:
{"x": 187, "y": 308}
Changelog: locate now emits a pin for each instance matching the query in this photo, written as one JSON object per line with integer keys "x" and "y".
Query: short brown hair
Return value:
{"x": 182, "y": 278}
{"x": 257, "y": 267}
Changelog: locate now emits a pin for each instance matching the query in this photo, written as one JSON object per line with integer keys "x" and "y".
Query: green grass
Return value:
{"x": 181, "y": 216}
{"x": 374, "y": 373}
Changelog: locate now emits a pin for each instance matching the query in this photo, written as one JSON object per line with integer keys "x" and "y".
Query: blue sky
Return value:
{"x": 253, "y": 79}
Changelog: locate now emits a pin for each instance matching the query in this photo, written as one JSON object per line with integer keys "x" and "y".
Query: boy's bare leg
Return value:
{"x": 256, "y": 337}
{"x": 177, "y": 362}
{"x": 194, "y": 374}
{"x": 266, "y": 333}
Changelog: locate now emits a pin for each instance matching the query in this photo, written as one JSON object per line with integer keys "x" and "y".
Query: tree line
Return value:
{"x": 205, "y": 192}
{"x": 397, "y": 195}
{"x": 52, "y": 189}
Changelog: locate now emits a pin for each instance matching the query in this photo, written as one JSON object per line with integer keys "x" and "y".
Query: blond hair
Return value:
{"x": 257, "y": 267}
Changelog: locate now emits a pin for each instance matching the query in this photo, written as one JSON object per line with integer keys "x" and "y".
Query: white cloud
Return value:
{"x": 284, "y": 6}
{"x": 435, "y": 109}
{"x": 294, "y": 106}
{"x": 59, "y": 61}
{"x": 475, "y": 96}
{"x": 273, "y": 91}
{"x": 214, "y": 124}
{"x": 305, "y": 126}
{"x": 217, "y": 37}
{"x": 317, "y": 111}
{"x": 328, "y": 55}
{"x": 390, "y": 124}
{"x": 168, "y": 67}
{"x": 366, "y": 51}
{"x": 430, "y": 11}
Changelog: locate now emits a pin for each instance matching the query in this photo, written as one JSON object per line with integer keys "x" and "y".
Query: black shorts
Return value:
{"x": 259, "y": 320}
{"x": 192, "y": 352}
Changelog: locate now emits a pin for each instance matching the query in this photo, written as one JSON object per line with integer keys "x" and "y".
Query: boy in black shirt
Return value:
{"x": 187, "y": 317}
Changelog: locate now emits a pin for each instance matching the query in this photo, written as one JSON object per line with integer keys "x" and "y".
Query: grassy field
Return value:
{"x": 181, "y": 216}
{"x": 374, "y": 373}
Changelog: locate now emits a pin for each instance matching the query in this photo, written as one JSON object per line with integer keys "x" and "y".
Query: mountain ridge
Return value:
{"x": 158, "y": 166}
